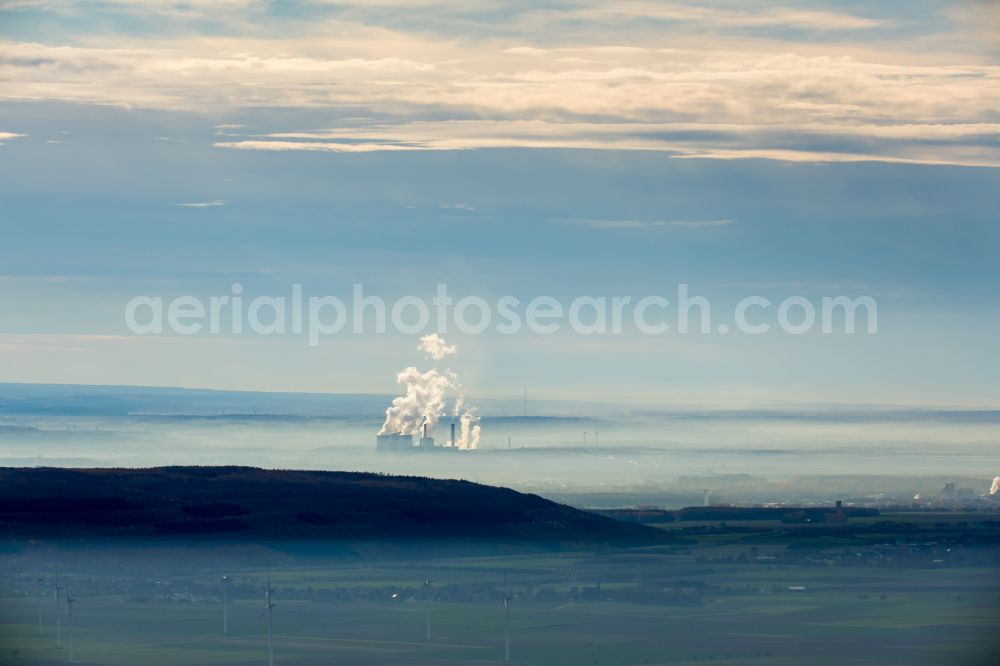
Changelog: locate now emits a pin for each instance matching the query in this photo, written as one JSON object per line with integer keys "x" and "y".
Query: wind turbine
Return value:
{"x": 225, "y": 604}
{"x": 506, "y": 627}
{"x": 427, "y": 609}
{"x": 268, "y": 607}
{"x": 506, "y": 619}
{"x": 69, "y": 604}
{"x": 41, "y": 596}
{"x": 59, "y": 589}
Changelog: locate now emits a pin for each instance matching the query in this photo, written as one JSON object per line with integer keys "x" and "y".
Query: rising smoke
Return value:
{"x": 436, "y": 347}
{"x": 995, "y": 488}
{"x": 468, "y": 431}
{"x": 426, "y": 397}
{"x": 423, "y": 402}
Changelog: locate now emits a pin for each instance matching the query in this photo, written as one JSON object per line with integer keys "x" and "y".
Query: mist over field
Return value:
{"x": 882, "y": 454}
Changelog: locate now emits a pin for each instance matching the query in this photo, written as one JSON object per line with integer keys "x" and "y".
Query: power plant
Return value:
{"x": 420, "y": 408}
{"x": 425, "y": 441}
{"x": 399, "y": 442}
{"x": 393, "y": 442}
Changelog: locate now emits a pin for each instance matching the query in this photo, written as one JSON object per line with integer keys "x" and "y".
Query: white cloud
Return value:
{"x": 315, "y": 146}
{"x": 636, "y": 84}
{"x": 782, "y": 17}
{"x": 436, "y": 347}
{"x": 228, "y": 129}
{"x": 56, "y": 279}
{"x": 582, "y": 75}
{"x": 642, "y": 225}
{"x": 204, "y": 204}
{"x": 971, "y": 144}
{"x": 58, "y": 342}
{"x": 456, "y": 10}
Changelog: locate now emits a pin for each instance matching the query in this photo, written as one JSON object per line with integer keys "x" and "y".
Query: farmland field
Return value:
{"x": 721, "y": 598}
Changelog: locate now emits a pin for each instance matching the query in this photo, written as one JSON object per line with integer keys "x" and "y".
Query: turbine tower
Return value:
{"x": 268, "y": 607}
{"x": 59, "y": 589}
{"x": 69, "y": 605}
{"x": 506, "y": 627}
{"x": 41, "y": 597}
{"x": 225, "y": 604}
{"x": 427, "y": 608}
{"x": 506, "y": 619}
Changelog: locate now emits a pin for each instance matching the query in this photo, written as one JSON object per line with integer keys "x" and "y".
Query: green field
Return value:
{"x": 760, "y": 597}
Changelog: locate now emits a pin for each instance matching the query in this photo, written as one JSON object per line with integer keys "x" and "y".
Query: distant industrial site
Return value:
{"x": 398, "y": 442}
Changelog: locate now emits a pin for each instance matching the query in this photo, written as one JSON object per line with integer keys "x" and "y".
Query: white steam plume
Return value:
{"x": 424, "y": 401}
{"x": 995, "y": 488}
{"x": 469, "y": 437}
{"x": 468, "y": 422}
{"x": 435, "y": 346}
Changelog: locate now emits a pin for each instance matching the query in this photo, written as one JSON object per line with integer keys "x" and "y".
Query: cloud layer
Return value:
{"x": 710, "y": 82}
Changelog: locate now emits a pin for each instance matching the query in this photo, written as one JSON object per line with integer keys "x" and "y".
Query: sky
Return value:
{"x": 567, "y": 149}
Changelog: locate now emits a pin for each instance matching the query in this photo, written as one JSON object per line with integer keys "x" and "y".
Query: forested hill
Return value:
{"x": 251, "y": 504}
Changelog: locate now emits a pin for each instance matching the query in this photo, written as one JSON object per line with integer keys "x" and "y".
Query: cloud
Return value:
{"x": 635, "y": 75}
{"x": 436, "y": 347}
{"x": 471, "y": 11}
{"x": 227, "y": 129}
{"x": 56, "y": 279}
{"x": 988, "y": 159}
{"x": 204, "y": 204}
{"x": 315, "y": 146}
{"x": 781, "y": 17}
{"x": 971, "y": 144}
{"x": 640, "y": 225}
{"x": 408, "y": 76}
{"x": 58, "y": 342}
{"x": 4, "y": 136}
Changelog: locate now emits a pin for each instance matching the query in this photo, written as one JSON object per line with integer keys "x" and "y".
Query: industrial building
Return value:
{"x": 425, "y": 441}
{"x": 398, "y": 442}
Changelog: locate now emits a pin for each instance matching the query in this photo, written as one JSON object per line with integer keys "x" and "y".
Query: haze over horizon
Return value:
{"x": 550, "y": 405}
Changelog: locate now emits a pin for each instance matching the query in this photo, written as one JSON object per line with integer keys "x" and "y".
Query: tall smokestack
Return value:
{"x": 425, "y": 429}
{"x": 453, "y": 443}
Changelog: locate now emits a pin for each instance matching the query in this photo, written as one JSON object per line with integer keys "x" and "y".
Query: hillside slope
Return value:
{"x": 250, "y": 504}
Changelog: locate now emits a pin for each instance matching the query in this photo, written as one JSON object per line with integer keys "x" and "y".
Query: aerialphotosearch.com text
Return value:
{"x": 318, "y": 317}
